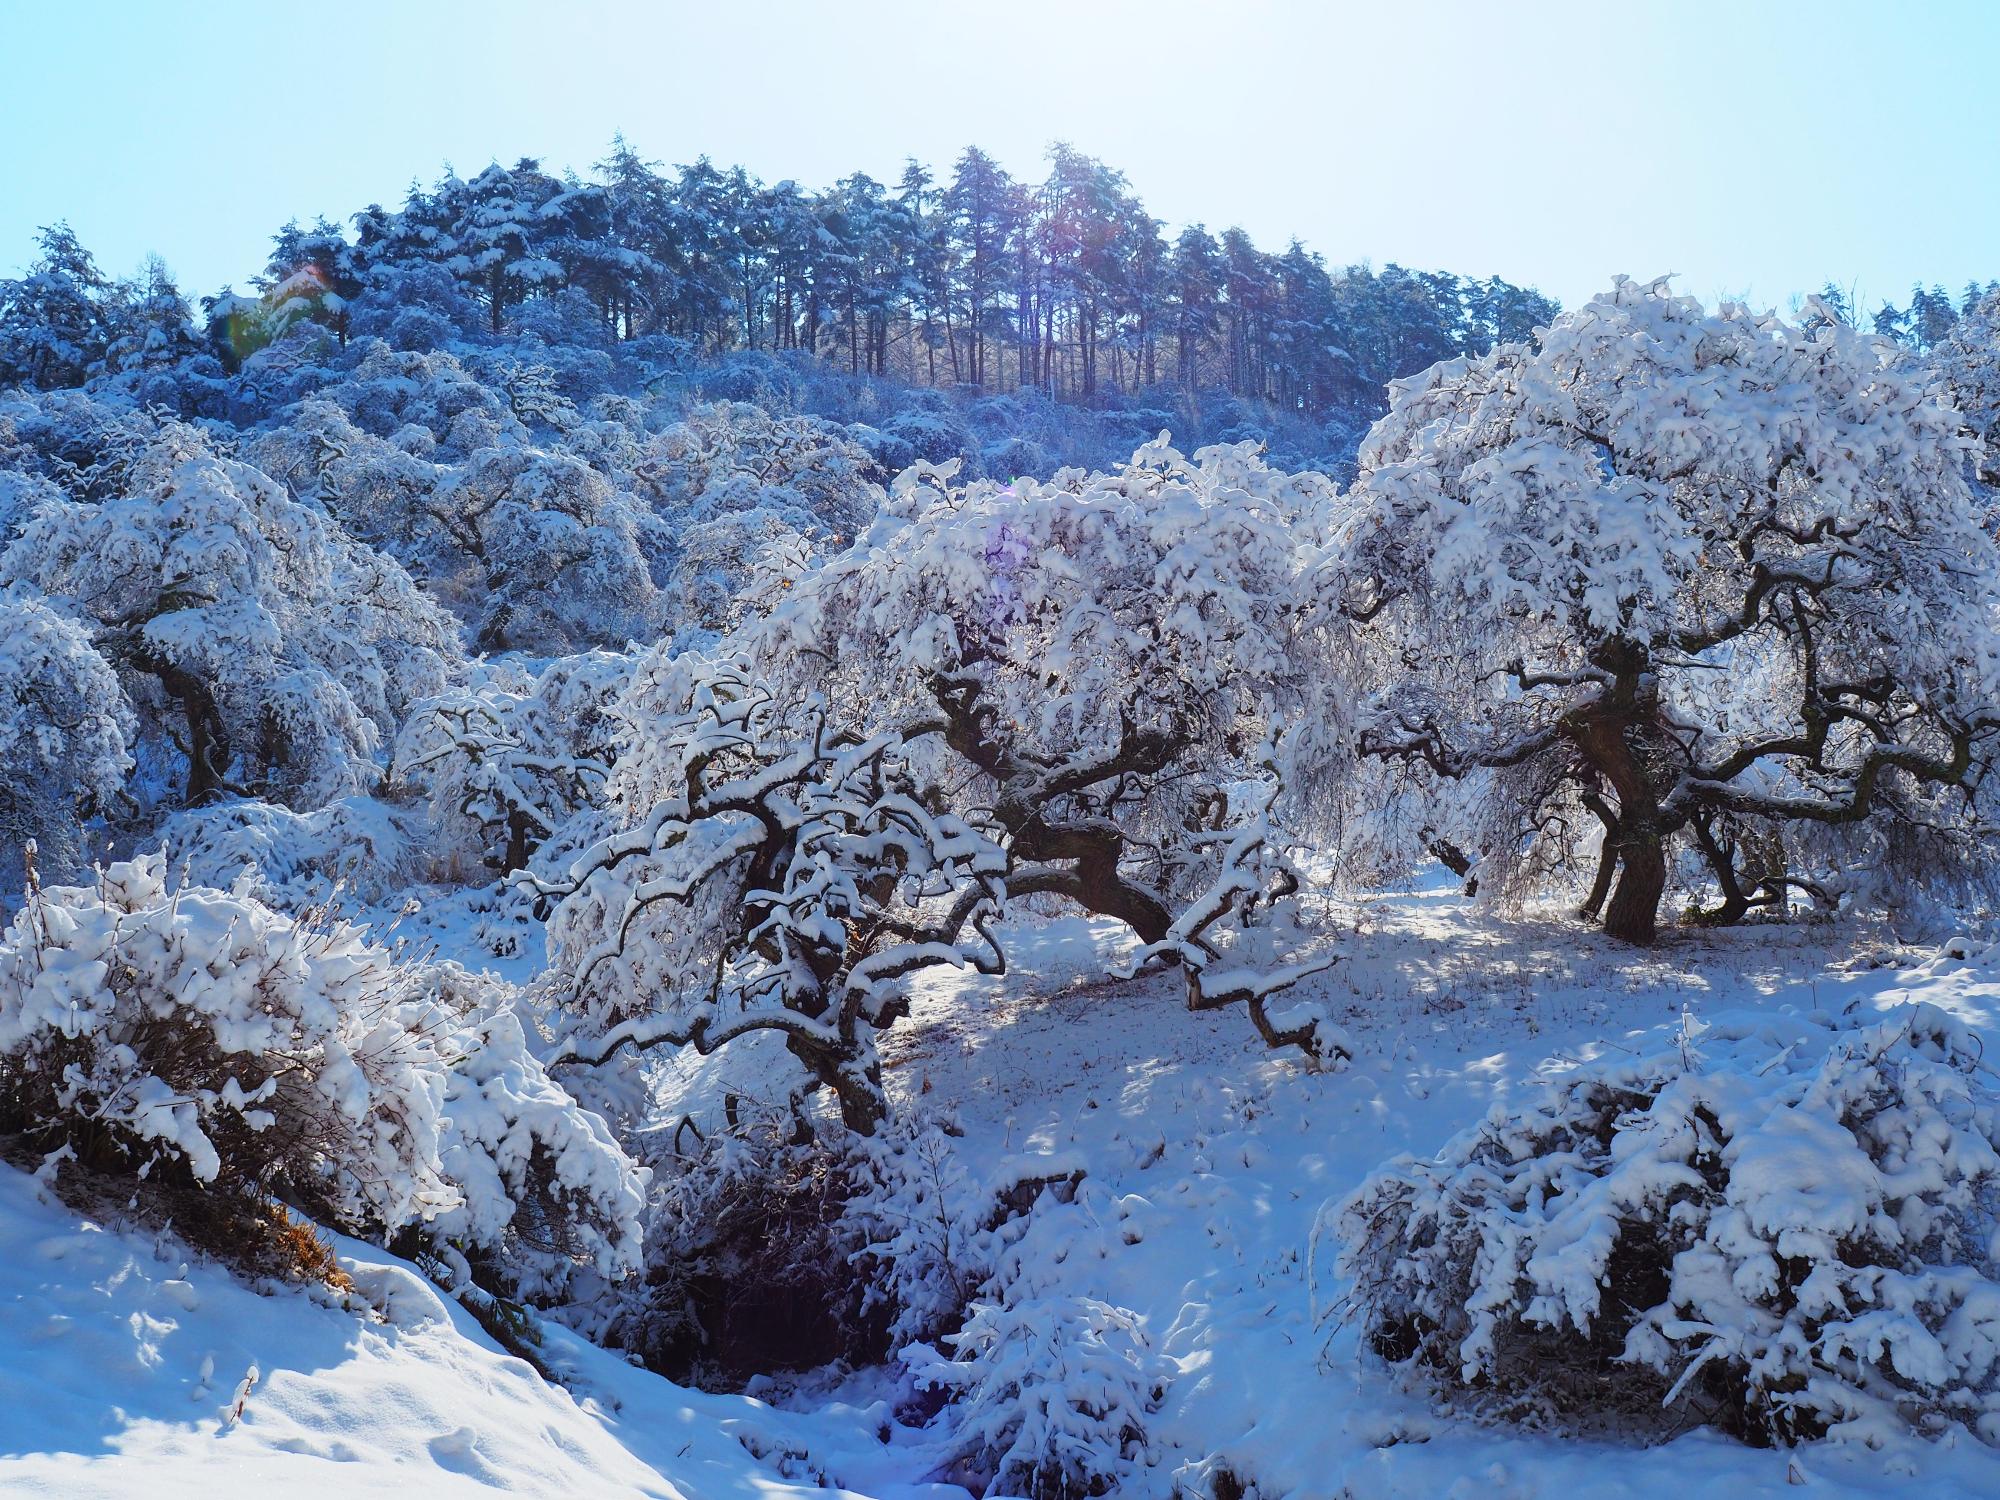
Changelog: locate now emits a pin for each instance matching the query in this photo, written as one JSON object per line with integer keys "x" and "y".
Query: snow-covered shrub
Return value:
{"x": 891, "y": 454}
{"x": 360, "y": 846}
{"x": 935, "y": 434}
{"x": 1798, "y": 1242}
{"x": 1050, "y": 1395}
{"x": 921, "y": 1226}
{"x": 544, "y": 1189}
{"x": 931, "y": 1237}
{"x": 197, "y": 1035}
{"x": 66, "y": 725}
{"x": 1015, "y": 458}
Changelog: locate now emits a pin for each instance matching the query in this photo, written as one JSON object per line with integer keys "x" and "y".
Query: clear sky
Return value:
{"x": 1756, "y": 149}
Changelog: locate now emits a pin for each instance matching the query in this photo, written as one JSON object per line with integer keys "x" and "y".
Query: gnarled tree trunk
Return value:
{"x": 1605, "y": 732}
{"x": 1633, "y": 915}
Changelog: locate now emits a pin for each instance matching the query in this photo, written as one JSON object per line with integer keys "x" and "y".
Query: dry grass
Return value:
{"x": 258, "y": 1239}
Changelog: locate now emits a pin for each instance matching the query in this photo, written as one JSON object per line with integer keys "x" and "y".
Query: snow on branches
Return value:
{"x": 1700, "y": 575}
{"x": 776, "y": 874}
{"x": 1967, "y": 363}
{"x": 501, "y": 770}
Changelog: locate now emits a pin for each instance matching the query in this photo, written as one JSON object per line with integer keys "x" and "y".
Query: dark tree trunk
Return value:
{"x": 520, "y": 840}
{"x": 1634, "y": 913}
{"x": 1735, "y": 901}
{"x": 208, "y": 744}
{"x": 1607, "y": 867}
{"x": 863, "y": 1105}
{"x": 1606, "y": 732}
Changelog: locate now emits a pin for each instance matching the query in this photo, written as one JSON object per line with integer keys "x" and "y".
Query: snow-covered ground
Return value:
{"x": 123, "y": 1371}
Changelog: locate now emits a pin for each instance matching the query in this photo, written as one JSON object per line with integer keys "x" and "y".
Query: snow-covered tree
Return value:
{"x": 391, "y": 390}
{"x": 310, "y": 275}
{"x": 64, "y": 718}
{"x": 266, "y": 649}
{"x": 502, "y": 770}
{"x": 731, "y": 455}
{"x": 533, "y": 548}
{"x": 1125, "y": 669}
{"x": 148, "y": 323}
{"x": 52, "y": 321}
{"x": 1705, "y": 575}
{"x": 737, "y": 482}
{"x": 547, "y": 556}
{"x": 502, "y": 225}
{"x": 1968, "y": 366}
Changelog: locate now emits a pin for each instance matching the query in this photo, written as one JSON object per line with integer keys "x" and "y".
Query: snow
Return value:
{"x": 1211, "y": 1171}
{"x": 795, "y": 815}
{"x": 125, "y": 1368}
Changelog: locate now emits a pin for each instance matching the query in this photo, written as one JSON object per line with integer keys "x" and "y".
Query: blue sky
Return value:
{"x": 1755, "y": 149}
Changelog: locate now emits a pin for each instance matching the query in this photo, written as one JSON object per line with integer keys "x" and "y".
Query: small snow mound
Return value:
{"x": 403, "y": 1298}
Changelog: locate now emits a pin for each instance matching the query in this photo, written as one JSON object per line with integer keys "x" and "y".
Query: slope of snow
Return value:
{"x": 120, "y": 1369}
{"x": 1226, "y": 1164}
{"x": 127, "y": 1371}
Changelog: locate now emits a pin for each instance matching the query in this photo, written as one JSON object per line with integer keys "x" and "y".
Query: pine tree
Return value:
{"x": 52, "y": 321}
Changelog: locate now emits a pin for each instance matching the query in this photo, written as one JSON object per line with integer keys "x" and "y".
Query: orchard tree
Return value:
{"x": 1708, "y": 576}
